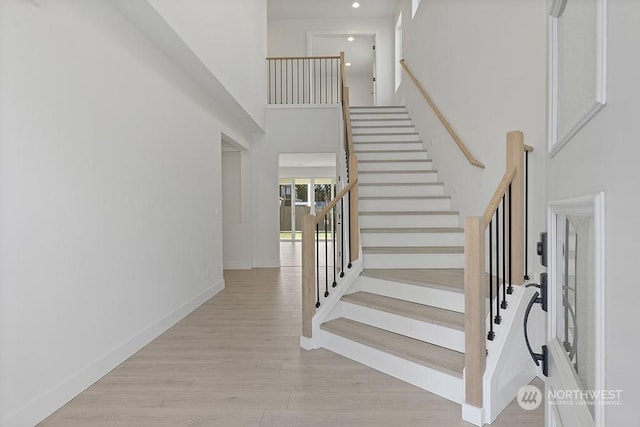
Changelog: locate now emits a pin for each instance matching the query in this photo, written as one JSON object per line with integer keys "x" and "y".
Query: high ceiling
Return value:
{"x": 287, "y": 9}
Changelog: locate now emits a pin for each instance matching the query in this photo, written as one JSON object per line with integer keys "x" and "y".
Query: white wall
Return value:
{"x": 603, "y": 157}
{"x": 360, "y": 88}
{"x": 110, "y": 198}
{"x": 223, "y": 33}
{"x": 291, "y": 130}
{"x": 483, "y": 63}
{"x": 288, "y": 37}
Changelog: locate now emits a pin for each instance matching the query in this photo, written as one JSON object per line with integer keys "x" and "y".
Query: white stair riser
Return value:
{"x": 387, "y": 177}
{"x": 435, "y": 297}
{"x": 377, "y": 110}
{"x": 386, "y": 138}
{"x": 386, "y": 146}
{"x": 412, "y": 239}
{"x": 408, "y": 204}
{"x": 378, "y": 116}
{"x": 386, "y": 129}
{"x": 394, "y": 166}
{"x": 429, "y": 332}
{"x": 400, "y": 190}
{"x": 356, "y": 124}
{"x": 392, "y": 155}
{"x": 392, "y": 220}
{"x": 445, "y": 385}
{"x": 413, "y": 260}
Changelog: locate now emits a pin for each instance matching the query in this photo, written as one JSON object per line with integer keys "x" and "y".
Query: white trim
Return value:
{"x": 593, "y": 204}
{"x": 48, "y": 402}
{"x": 473, "y": 414}
{"x": 555, "y": 141}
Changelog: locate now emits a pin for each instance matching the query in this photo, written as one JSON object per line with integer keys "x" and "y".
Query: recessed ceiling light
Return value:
{"x": 348, "y": 64}
{"x": 355, "y": 5}
{"x": 350, "y": 38}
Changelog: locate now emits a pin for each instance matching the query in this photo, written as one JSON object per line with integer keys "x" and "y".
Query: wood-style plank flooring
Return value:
{"x": 236, "y": 361}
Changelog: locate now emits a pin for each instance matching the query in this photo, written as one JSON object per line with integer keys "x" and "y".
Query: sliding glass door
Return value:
{"x": 299, "y": 197}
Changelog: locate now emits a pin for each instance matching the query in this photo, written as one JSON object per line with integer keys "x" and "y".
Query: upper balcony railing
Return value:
{"x": 304, "y": 80}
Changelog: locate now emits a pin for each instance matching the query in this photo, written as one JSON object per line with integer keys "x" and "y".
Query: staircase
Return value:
{"x": 404, "y": 314}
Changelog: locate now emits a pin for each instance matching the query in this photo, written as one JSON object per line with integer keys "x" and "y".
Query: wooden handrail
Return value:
{"x": 472, "y": 160}
{"x": 335, "y": 200}
{"x": 497, "y": 196}
{"x": 528, "y": 148}
{"x": 475, "y": 276}
{"x": 271, "y": 58}
{"x": 310, "y": 222}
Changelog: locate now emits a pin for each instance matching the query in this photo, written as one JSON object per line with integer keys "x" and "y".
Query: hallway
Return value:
{"x": 236, "y": 361}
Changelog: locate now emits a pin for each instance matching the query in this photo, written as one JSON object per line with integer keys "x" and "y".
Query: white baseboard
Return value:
{"x": 473, "y": 414}
{"x": 51, "y": 400}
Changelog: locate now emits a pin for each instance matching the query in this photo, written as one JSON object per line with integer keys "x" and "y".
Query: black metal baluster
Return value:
{"x": 281, "y": 81}
{"x": 526, "y": 215}
{"x": 342, "y": 236}
{"x": 349, "y": 230}
{"x": 326, "y": 83}
{"x": 333, "y": 242}
{"x": 317, "y": 265}
{"x": 498, "y": 318}
{"x": 490, "y": 335}
{"x": 504, "y": 249}
{"x": 326, "y": 259}
{"x": 286, "y": 81}
{"x": 268, "y": 81}
{"x": 298, "y": 78}
{"x": 510, "y": 288}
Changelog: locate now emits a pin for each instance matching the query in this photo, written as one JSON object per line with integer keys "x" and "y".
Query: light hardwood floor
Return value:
{"x": 236, "y": 361}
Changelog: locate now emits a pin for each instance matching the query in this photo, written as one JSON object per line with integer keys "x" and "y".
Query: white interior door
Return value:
{"x": 575, "y": 386}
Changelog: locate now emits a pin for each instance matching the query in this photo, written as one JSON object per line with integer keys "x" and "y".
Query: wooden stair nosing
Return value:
{"x": 410, "y": 213}
{"x": 411, "y": 250}
{"x": 398, "y": 184}
{"x": 400, "y": 171}
{"x": 413, "y": 230}
{"x": 396, "y": 161}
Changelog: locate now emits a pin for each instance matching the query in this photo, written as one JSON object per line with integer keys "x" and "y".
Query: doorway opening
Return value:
{"x": 360, "y": 61}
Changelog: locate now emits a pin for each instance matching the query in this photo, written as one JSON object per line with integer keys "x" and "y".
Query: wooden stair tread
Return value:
{"x": 423, "y": 353}
{"x": 398, "y": 183}
{"x": 413, "y": 250}
{"x": 375, "y": 107}
{"x": 412, "y": 310}
{"x": 404, "y": 197}
{"x": 396, "y": 161}
{"x": 395, "y": 151}
{"x": 413, "y": 230}
{"x": 450, "y": 278}
{"x": 400, "y": 171}
{"x": 410, "y": 213}
{"x": 382, "y": 126}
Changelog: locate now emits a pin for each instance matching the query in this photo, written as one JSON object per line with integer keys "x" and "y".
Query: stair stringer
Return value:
{"x": 509, "y": 366}
{"x": 330, "y": 308}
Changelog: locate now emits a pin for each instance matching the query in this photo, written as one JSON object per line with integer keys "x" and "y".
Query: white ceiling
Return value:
{"x": 287, "y": 9}
{"x": 292, "y": 160}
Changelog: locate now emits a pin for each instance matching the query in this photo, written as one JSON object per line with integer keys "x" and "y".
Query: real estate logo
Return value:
{"x": 529, "y": 397}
